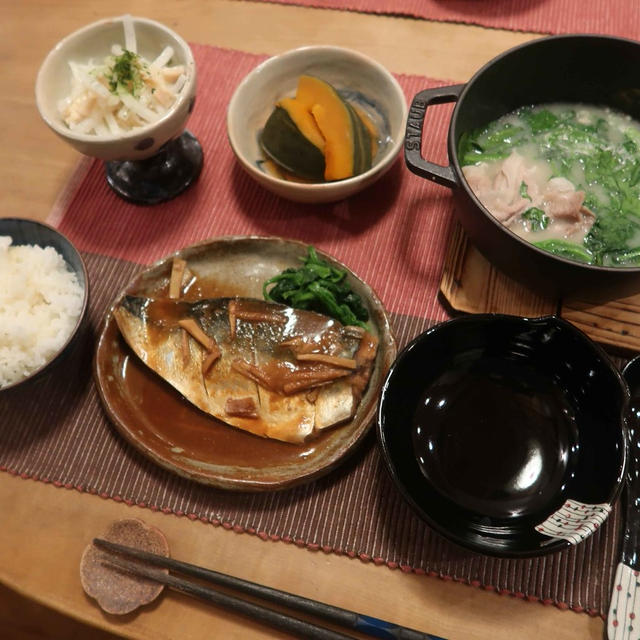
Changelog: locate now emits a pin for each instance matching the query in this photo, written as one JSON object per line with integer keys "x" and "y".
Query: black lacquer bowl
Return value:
{"x": 507, "y": 435}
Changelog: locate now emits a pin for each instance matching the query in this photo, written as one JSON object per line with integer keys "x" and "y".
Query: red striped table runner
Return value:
{"x": 611, "y": 17}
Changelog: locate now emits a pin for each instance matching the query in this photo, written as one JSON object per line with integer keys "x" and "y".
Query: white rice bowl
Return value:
{"x": 40, "y": 301}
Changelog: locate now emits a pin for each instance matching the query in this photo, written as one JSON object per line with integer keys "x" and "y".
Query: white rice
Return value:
{"x": 40, "y": 301}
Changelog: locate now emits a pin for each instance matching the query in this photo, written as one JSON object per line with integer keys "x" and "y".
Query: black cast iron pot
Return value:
{"x": 590, "y": 69}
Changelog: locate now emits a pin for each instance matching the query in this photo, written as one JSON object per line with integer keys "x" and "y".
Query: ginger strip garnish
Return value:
{"x": 232, "y": 319}
{"x": 212, "y": 356}
{"x": 253, "y": 373}
{"x": 184, "y": 345}
{"x": 301, "y": 383}
{"x": 190, "y": 325}
{"x": 177, "y": 274}
{"x": 336, "y": 361}
{"x": 238, "y": 312}
{"x": 259, "y": 316}
{"x": 364, "y": 356}
{"x": 292, "y": 381}
{"x": 241, "y": 407}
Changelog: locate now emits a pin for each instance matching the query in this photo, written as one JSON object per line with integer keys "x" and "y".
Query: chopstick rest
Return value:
{"x": 343, "y": 617}
{"x": 116, "y": 592}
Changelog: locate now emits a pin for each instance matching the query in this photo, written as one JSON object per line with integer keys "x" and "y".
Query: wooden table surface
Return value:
{"x": 43, "y": 529}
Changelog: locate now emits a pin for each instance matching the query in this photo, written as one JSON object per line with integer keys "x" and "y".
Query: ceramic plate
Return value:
{"x": 159, "y": 422}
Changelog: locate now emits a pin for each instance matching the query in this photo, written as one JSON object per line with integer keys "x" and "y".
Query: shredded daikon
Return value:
{"x": 122, "y": 92}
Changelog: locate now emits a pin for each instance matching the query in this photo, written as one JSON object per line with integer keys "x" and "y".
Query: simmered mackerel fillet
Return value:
{"x": 266, "y": 368}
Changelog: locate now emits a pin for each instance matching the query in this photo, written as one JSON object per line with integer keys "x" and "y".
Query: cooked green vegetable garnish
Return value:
{"x": 629, "y": 258}
{"x": 317, "y": 286}
{"x": 536, "y": 218}
{"x": 569, "y": 250}
{"x": 524, "y": 191}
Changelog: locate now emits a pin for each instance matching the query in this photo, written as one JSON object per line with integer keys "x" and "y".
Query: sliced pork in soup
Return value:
{"x": 564, "y": 177}
{"x": 520, "y": 196}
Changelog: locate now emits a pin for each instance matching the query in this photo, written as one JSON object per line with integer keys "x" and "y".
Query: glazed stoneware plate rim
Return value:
{"x": 32, "y": 230}
{"x": 522, "y": 535}
{"x": 324, "y": 455}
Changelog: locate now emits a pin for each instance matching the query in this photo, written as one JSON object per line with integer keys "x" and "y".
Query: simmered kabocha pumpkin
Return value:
{"x": 318, "y": 135}
{"x": 284, "y": 142}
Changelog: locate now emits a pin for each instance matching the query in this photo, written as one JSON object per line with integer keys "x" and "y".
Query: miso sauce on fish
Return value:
{"x": 565, "y": 177}
{"x": 274, "y": 371}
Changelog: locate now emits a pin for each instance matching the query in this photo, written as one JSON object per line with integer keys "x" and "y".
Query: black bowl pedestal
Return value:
{"x": 161, "y": 177}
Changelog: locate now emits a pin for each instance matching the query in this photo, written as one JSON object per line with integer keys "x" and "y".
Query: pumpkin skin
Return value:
{"x": 369, "y": 126}
{"x": 283, "y": 142}
{"x": 362, "y": 144}
{"x": 304, "y": 120}
{"x": 324, "y": 120}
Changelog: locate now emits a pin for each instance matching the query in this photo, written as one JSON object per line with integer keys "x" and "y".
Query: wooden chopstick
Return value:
{"x": 276, "y": 619}
{"x": 342, "y": 617}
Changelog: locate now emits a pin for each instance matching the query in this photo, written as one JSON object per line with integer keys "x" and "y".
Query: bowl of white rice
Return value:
{"x": 44, "y": 295}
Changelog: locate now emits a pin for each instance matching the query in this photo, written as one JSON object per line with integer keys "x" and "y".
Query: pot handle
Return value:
{"x": 443, "y": 175}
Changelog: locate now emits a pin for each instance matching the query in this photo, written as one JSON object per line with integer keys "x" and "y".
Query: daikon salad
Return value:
{"x": 122, "y": 92}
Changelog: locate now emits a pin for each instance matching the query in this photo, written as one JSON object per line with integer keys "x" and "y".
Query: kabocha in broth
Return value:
{"x": 566, "y": 177}
{"x": 318, "y": 135}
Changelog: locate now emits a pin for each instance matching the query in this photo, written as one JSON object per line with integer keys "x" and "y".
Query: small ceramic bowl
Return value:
{"x": 30, "y": 232}
{"x": 507, "y": 435}
{"x": 357, "y": 77}
{"x": 94, "y": 42}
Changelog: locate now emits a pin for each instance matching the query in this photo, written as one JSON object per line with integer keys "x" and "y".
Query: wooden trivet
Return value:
{"x": 470, "y": 284}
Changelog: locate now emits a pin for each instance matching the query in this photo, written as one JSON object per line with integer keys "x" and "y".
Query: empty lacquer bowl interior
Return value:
{"x": 507, "y": 435}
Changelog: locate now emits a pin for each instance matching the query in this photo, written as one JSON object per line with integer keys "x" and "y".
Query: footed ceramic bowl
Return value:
{"x": 356, "y": 77}
{"x": 94, "y": 42}
{"x": 507, "y": 435}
